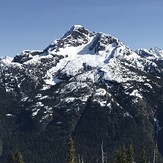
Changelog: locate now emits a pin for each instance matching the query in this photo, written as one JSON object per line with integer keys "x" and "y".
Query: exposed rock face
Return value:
{"x": 86, "y": 84}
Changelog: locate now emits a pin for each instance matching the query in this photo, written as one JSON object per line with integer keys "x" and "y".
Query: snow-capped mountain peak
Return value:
{"x": 152, "y": 53}
{"x": 79, "y": 49}
{"x": 80, "y": 41}
{"x": 157, "y": 51}
{"x": 84, "y": 82}
{"x": 76, "y": 31}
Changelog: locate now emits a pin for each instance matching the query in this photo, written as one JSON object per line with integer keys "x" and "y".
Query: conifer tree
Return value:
{"x": 124, "y": 156}
{"x": 71, "y": 152}
{"x": 16, "y": 158}
{"x": 120, "y": 156}
{"x": 143, "y": 155}
{"x": 130, "y": 154}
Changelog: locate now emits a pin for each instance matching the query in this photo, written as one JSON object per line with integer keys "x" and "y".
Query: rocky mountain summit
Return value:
{"x": 86, "y": 84}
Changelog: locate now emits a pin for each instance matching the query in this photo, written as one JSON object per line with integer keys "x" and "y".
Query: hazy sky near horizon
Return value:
{"x": 33, "y": 24}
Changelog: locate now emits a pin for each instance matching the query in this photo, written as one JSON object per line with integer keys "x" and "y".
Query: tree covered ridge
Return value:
{"x": 124, "y": 154}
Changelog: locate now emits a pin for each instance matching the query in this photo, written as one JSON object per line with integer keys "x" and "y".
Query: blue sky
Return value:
{"x": 33, "y": 24}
